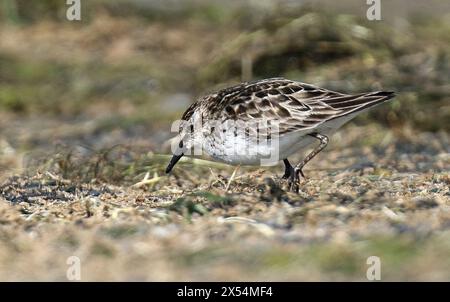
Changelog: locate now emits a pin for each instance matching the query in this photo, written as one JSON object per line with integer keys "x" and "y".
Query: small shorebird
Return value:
{"x": 299, "y": 113}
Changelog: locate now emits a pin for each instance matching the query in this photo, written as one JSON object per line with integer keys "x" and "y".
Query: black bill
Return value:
{"x": 173, "y": 162}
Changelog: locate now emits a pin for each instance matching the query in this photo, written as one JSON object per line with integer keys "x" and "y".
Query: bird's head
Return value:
{"x": 183, "y": 144}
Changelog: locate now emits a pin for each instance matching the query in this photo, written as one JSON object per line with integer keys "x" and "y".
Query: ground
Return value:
{"x": 389, "y": 201}
{"x": 85, "y": 115}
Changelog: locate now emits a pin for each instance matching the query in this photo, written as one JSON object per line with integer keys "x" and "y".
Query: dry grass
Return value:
{"x": 85, "y": 115}
{"x": 392, "y": 202}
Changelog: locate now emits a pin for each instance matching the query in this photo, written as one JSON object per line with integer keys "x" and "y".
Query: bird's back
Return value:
{"x": 293, "y": 105}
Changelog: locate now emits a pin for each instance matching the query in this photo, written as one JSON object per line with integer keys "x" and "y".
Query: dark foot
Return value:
{"x": 292, "y": 175}
{"x": 287, "y": 174}
{"x": 294, "y": 182}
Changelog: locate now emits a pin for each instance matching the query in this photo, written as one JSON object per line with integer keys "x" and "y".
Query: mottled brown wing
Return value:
{"x": 293, "y": 105}
{"x": 274, "y": 100}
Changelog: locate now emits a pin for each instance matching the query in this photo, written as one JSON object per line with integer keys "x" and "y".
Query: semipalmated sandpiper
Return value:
{"x": 262, "y": 122}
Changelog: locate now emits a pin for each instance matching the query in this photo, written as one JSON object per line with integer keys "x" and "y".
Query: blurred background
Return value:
{"x": 132, "y": 66}
{"x": 91, "y": 102}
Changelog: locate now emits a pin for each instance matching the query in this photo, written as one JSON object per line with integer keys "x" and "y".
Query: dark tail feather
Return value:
{"x": 388, "y": 94}
{"x": 352, "y": 103}
{"x": 381, "y": 97}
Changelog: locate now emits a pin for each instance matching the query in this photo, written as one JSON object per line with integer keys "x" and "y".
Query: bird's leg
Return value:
{"x": 294, "y": 180}
{"x": 323, "y": 143}
{"x": 288, "y": 169}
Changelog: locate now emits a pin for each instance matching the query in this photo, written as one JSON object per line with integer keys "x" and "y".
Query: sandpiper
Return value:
{"x": 295, "y": 113}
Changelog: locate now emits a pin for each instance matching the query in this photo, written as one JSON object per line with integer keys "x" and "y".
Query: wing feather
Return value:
{"x": 293, "y": 105}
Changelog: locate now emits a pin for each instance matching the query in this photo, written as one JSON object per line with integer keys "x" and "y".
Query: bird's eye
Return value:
{"x": 181, "y": 144}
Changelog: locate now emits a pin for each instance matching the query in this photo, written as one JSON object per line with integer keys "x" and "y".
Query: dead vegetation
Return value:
{"x": 199, "y": 225}
{"x": 86, "y": 111}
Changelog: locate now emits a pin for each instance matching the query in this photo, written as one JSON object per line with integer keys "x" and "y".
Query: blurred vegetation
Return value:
{"x": 214, "y": 45}
{"x": 82, "y": 103}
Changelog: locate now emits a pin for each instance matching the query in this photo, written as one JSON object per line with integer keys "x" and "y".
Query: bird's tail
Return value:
{"x": 358, "y": 102}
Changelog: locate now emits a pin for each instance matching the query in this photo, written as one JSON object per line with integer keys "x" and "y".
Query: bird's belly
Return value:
{"x": 240, "y": 150}
{"x": 237, "y": 150}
